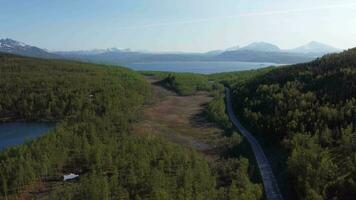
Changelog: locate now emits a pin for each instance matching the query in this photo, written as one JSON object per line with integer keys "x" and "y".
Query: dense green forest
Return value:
{"x": 309, "y": 109}
{"x": 94, "y": 107}
{"x": 51, "y": 90}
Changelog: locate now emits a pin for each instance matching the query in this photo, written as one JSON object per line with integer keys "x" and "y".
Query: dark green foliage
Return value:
{"x": 216, "y": 112}
{"x": 94, "y": 106}
{"x": 310, "y": 109}
{"x": 234, "y": 182}
{"x": 228, "y": 78}
{"x": 145, "y": 168}
{"x": 50, "y": 90}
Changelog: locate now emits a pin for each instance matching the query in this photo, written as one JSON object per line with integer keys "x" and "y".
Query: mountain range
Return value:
{"x": 15, "y": 47}
{"x": 254, "y": 52}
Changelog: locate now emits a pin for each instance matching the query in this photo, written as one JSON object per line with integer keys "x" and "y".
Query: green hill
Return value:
{"x": 94, "y": 107}
{"x": 310, "y": 110}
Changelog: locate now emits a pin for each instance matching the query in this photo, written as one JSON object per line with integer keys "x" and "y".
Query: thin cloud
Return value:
{"x": 252, "y": 14}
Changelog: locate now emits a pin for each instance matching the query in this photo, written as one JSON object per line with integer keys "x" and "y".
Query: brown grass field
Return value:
{"x": 179, "y": 119}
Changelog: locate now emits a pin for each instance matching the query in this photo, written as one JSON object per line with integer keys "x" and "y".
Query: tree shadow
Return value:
{"x": 199, "y": 120}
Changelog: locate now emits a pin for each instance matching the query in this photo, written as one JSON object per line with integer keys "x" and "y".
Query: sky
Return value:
{"x": 177, "y": 25}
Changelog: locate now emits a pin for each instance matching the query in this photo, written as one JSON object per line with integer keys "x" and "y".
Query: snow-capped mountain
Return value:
{"x": 254, "y": 52}
{"x": 261, "y": 46}
{"x": 266, "y": 52}
{"x": 315, "y": 47}
{"x": 15, "y": 47}
{"x": 9, "y": 43}
{"x": 93, "y": 51}
{"x": 233, "y": 48}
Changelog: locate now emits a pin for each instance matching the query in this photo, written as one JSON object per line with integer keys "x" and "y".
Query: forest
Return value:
{"x": 94, "y": 107}
{"x": 309, "y": 110}
{"x": 304, "y": 114}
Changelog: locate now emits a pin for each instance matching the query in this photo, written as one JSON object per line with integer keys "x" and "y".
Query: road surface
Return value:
{"x": 269, "y": 181}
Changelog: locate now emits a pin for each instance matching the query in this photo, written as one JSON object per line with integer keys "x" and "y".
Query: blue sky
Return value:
{"x": 177, "y": 25}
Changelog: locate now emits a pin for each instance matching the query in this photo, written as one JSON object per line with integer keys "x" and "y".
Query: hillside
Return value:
{"x": 15, "y": 47}
{"x": 309, "y": 109}
{"x": 95, "y": 107}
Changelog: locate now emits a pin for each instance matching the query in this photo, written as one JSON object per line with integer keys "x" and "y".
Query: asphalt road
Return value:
{"x": 269, "y": 181}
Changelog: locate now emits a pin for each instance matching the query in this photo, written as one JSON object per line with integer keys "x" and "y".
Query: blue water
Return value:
{"x": 202, "y": 67}
{"x": 16, "y": 133}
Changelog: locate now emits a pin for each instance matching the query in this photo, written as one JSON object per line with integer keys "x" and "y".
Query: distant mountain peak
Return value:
{"x": 7, "y": 42}
{"x": 234, "y": 48}
{"x": 261, "y": 46}
{"x": 93, "y": 51}
{"x": 314, "y": 43}
{"x": 8, "y": 45}
{"x": 315, "y": 47}
{"x": 114, "y": 49}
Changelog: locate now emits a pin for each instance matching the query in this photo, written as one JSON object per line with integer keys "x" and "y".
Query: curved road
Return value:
{"x": 269, "y": 181}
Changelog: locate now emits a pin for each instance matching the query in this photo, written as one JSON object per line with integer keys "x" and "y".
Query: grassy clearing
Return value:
{"x": 179, "y": 119}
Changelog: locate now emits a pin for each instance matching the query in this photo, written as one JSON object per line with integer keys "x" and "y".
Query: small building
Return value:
{"x": 70, "y": 177}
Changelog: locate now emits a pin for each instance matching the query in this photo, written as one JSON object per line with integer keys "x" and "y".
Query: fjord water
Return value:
{"x": 203, "y": 67}
{"x": 16, "y": 133}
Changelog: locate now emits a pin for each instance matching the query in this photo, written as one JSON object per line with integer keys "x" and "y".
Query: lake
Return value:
{"x": 16, "y": 133}
{"x": 202, "y": 67}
